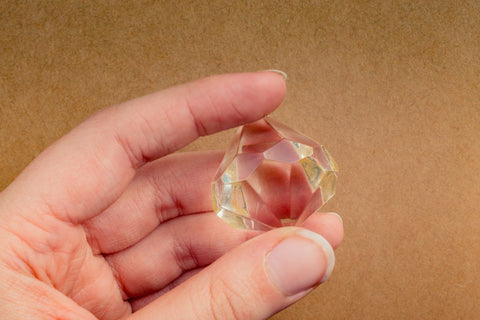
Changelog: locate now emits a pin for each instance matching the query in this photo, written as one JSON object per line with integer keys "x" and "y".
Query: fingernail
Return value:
{"x": 336, "y": 215}
{"x": 300, "y": 262}
{"x": 280, "y": 72}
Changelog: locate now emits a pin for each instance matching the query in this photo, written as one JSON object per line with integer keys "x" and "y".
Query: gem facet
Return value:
{"x": 272, "y": 176}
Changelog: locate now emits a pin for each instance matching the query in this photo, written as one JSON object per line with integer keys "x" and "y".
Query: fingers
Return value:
{"x": 138, "y": 303}
{"x": 188, "y": 243}
{"x": 174, "y": 248}
{"x": 252, "y": 281}
{"x": 329, "y": 225}
{"x": 175, "y": 185}
{"x": 85, "y": 171}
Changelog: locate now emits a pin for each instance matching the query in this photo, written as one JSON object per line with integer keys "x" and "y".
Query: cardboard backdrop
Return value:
{"x": 391, "y": 88}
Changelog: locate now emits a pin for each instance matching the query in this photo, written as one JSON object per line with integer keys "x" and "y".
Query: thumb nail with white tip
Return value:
{"x": 299, "y": 263}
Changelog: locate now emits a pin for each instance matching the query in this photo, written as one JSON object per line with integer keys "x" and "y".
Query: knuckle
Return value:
{"x": 225, "y": 300}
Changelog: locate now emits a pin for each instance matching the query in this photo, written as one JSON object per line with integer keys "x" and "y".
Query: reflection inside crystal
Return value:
{"x": 272, "y": 176}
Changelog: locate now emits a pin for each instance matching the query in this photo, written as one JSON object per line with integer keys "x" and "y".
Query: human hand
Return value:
{"x": 105, "y": 224}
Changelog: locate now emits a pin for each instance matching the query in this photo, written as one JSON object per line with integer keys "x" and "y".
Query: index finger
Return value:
{"x": 86, "y": 170}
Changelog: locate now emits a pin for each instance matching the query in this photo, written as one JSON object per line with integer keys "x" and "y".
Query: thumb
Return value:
{"x": 253, "y": 281}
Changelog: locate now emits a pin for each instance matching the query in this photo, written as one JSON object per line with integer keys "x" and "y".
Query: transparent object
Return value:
{"x": 272, "y": 176}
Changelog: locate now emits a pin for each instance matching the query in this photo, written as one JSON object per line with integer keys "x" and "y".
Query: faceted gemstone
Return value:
{"x": 272, "y": 176}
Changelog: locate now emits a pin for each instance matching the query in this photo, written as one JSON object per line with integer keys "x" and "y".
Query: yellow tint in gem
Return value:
{"x": 272, "y": 176}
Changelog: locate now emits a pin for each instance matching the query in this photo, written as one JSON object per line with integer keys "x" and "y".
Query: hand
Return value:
{"x": 105, "y": 224}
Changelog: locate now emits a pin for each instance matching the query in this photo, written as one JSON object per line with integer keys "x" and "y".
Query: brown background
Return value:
{"x": 392, "y": 89}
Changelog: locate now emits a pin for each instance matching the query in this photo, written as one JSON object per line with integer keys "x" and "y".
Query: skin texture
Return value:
{"x": 107, "y": 220}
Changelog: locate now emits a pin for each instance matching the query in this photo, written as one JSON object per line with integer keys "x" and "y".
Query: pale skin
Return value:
{"x": 106, "y": 223}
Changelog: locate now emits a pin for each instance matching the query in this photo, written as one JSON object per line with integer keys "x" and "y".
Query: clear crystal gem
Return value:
{"x": 272, "y": 176}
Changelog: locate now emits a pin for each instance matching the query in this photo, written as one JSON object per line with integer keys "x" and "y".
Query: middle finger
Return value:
{"x": 176, "y": 185}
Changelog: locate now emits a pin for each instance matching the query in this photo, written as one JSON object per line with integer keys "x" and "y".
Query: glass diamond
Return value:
{"x": 272, "y": 176}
